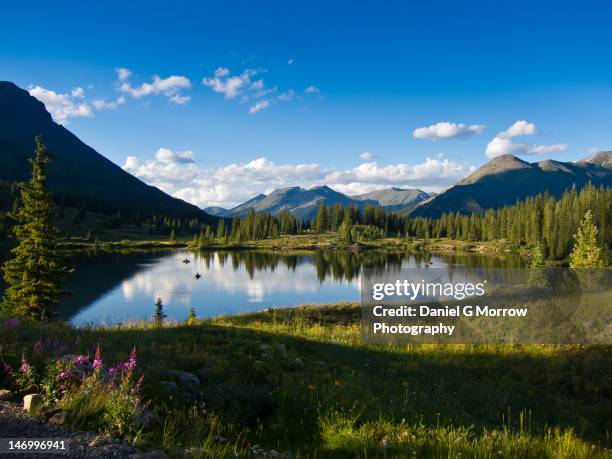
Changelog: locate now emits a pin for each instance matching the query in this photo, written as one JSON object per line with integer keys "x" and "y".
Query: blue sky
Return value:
{"x": 237, "y": 119}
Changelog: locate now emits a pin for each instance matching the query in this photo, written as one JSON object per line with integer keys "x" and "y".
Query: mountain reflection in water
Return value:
{"x": 122, "y": 286}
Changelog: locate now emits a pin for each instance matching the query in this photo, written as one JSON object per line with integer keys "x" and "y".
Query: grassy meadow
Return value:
{"x": 298, "y": 383}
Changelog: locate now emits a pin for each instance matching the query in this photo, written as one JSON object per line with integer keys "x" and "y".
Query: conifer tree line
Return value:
{"x": 543, "y": 220}
{"x": 253, "y": 226}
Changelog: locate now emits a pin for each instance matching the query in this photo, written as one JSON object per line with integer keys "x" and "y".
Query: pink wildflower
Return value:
{"x": 98, "y": 358}
{"x": 25, "y": 366}
{"x": 63, "y": 376}
{"x": 131, "y": 363}
{"x": 80, "y": 359}
{"x": 38, "y": 347}
{"x": 12, "y": 322}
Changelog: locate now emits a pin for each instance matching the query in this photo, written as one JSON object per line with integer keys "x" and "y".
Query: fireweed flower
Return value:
{"x": 38, "y": 347}
{"x": 80, "y": 359}
{"x": 98, "y": 358}
{"x": 131, "y": 363}
{"x": 63, "y": 376}
{"x": 25, "y": 366}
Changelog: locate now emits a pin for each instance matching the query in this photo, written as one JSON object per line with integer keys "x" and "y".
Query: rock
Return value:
{"x": 59, "y": 418}
{"x": 104, "y": 440}
{"x": 31, "y": 403}
{"x": 146, "y": 420}
{"x": 170, "y": 386}
{"x": 46, "y": 412}
{"x": 156, "y": 454}
{"x": 184, "y": 378}
{"x": 6, "y": 395}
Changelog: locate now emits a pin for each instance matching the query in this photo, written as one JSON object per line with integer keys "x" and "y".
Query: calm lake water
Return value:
{"x": 119, "y": 287}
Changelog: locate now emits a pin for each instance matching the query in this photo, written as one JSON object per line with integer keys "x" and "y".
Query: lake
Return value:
{"x": 123, "y": 286}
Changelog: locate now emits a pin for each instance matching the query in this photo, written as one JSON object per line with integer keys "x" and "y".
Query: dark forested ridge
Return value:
{"x": 78, "y": 175}
{"x": 506, "y": 179}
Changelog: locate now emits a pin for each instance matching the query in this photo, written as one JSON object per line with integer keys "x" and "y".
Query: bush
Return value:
{"x": 366, "y": 233}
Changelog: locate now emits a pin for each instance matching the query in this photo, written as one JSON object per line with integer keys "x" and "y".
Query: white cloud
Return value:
{"x": 249, "y": 89}
{"x": 519, "y": 128}
{"x": 71, "y": 105}
{"x": 312, "y": 90}
{"x": 230, "y": 86}
{"x": 229, "y": 185}
{"x": 78, "y": 92}
{"x": 101, "y": 104}
{"x": 62, "y": 106}
{"x": 502, "y": 143}
{"x": 367, "y": 156}
{"x": 286, "y": 96}
{"x": 170, "y": 87}
{"x": 123, "y": 73}
{"x": 447, "y": 130}
{"x": 260, "y": 105}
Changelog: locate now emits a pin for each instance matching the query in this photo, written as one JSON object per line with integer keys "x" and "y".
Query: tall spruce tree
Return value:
{"x": 36, "y": 274}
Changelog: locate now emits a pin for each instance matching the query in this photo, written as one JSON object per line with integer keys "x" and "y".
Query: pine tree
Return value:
{"x": 36, "y": 274}
{"x": 172, "y": 235}
{"x": 221, "y": 229}
{"x": 344, "y": 232}
{"x": 191, "y": 319}
{"x": 159, "y": 315}
{"x": 586, "y": 253}
{"x": 537, "y": 257}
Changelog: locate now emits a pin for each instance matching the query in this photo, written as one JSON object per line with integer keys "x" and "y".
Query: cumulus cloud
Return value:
{"x": 312, "y": 90}
{"x": 502, "y": 143}
{"x": 72, "y": 104}
{"x": 519, "y": 128}
{"x": 232, "y": 184}
{"x": 230, "y": 86}
{"x": 446, "y": 130}
{"x": 62, "y": 106}
{"x": 170, "y": 87}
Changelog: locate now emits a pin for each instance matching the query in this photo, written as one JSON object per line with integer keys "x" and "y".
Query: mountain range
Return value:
{"x": 77, "y": 173}
{"x": 507, "y": 179}
{"x": 502, "y": 181}
{"x": 303, "y": 203}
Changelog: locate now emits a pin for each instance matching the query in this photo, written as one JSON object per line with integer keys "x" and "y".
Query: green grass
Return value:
{"x": 299, "y": 380}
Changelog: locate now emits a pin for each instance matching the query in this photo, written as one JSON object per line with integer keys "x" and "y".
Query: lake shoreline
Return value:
{"x": 308, "y": 243}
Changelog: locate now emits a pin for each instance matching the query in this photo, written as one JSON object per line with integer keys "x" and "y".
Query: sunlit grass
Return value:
{"x": 300, "y": 380}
